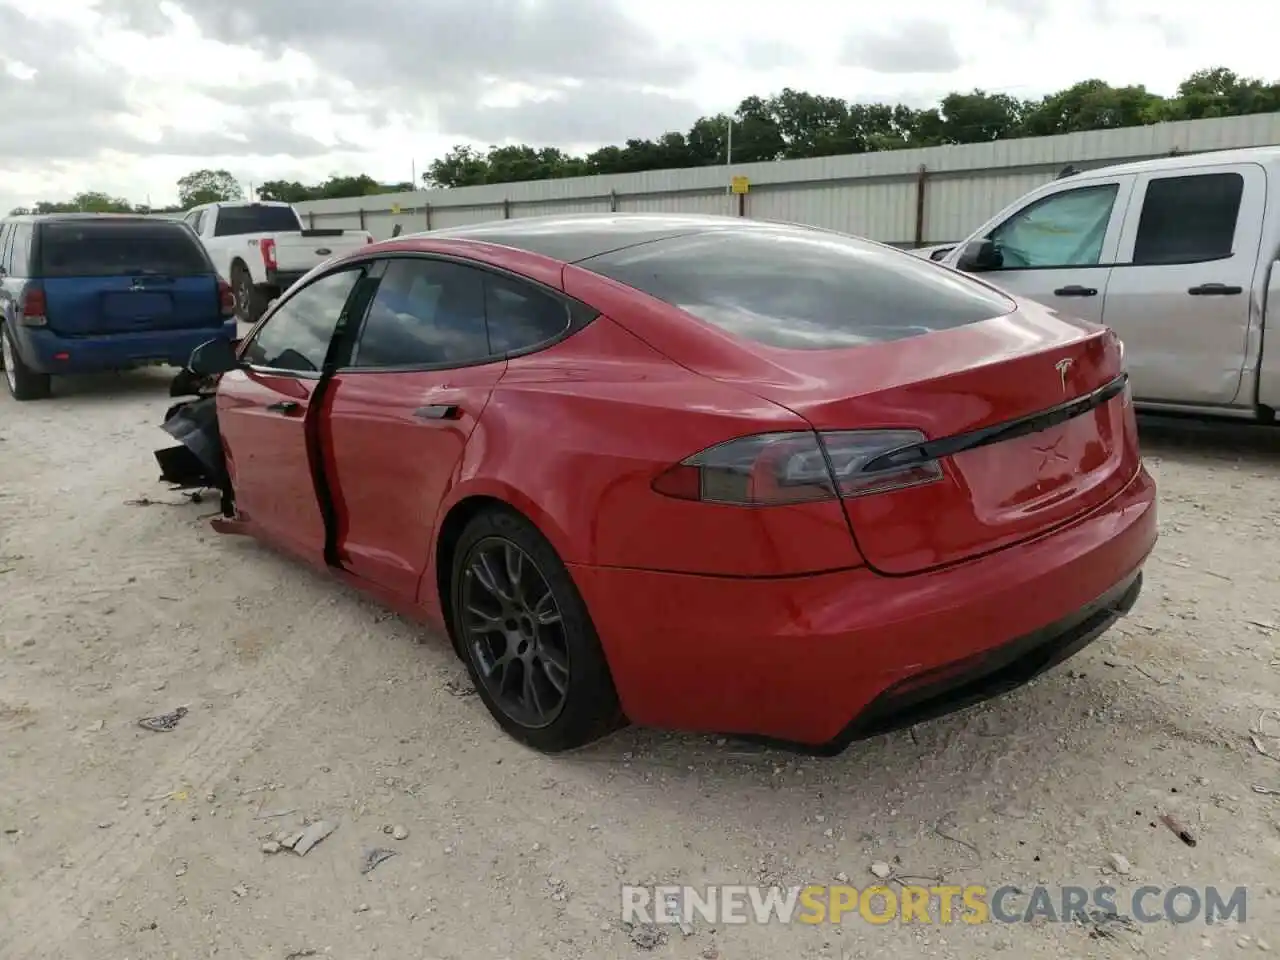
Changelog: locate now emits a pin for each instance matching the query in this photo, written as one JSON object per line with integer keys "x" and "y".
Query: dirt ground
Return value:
{"x": 120, "y": 843}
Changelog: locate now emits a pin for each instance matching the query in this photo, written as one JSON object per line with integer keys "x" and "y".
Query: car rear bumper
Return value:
{"x": 46, "y": 352}
{"x": 823, "y": 660}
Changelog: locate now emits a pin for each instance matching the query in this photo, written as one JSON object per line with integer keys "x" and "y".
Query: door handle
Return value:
{"x": 1215, "y": 290}
{"x": 285, "y": 407}
{"x": 438, "y": 411}
{"x": 1075, "y": 290}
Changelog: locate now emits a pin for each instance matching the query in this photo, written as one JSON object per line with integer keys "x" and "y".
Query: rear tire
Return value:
{"x": 526, "y": 636}
{"x": 23, "y": 382}
{"x": 251, "y": 303}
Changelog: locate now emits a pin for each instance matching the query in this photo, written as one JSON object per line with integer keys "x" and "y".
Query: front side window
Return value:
{"x": 425, "y": 313}
{"x": 298, "y": 334}
{"x": 1063, "y": 230}
{"x": 1188, "y": 219}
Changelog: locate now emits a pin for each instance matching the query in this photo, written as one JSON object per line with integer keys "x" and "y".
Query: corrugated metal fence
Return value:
{"x": 905, "y": 197}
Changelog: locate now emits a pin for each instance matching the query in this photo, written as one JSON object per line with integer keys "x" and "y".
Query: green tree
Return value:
{"x": 463, "y": 166}
{"x": 208, "y": 186}
{"x": 288, "y": 191}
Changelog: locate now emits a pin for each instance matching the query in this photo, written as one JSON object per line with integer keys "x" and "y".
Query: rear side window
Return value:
{"x": 236, "y": 221}
{"x": 1188, "y": 219}
{"x": 6, "y": 245}
{"x": 801, "y": 289}
{"x": 520, "y": 316}
{"x": 17, "y": 251}
{"x": 105, "y": 248}
{"x": 425, "y": 313}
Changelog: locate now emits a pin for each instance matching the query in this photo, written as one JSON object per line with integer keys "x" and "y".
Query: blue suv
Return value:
{"x": 82, "y": 293}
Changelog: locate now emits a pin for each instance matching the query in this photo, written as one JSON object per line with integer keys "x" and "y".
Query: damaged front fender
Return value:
{"x": 199, "y": 461}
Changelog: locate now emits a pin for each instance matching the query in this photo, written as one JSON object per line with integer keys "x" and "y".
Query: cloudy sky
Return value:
{"x": 126, "y": 96}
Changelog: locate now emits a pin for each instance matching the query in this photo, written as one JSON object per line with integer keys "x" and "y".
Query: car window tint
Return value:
{"x": 113, "y": 248}
{"x": 426, "y": 312}
{"x": 1063, "y": 230}
{"x": 521, "y": 316}
{"x": 237, "y": 221}
{"x": 6, "y": 245}
{"x": 802, "y": 289}
{"x": 20, "y": 253}
{"x": 1188, "y": 219}
{"x": 297, "y": 335}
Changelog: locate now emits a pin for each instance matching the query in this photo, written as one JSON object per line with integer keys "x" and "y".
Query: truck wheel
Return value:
{"x": 251, "y": 302}
{"x": 23, "y": 382}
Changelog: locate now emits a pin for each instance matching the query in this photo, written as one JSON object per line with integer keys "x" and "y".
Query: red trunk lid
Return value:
{"x": 950, "y": 383}
{"x": 853, "y": 336}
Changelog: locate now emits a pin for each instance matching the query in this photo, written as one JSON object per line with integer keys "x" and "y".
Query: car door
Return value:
{"x": 1180, "y": 295}
{"x": 428, "y": 356}
{"x": 267, "y": 410}
{"x": 1058, "y": 247}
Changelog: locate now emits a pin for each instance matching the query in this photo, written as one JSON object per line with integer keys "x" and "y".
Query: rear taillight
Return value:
{"x": 779, "y": 468}
{"x": 268, "y": 248}
{"x": 34, "y": 306}
{"x": 226, "y": 297}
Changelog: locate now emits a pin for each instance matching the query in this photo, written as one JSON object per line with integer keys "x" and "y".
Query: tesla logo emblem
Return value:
{"x": 1063, "y": 367}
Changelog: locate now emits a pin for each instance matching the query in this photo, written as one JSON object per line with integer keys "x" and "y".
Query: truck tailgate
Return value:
{"x": 299, "y": 252}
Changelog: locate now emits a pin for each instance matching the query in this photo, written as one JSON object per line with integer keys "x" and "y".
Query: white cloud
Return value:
{"x": 124, "y": 96}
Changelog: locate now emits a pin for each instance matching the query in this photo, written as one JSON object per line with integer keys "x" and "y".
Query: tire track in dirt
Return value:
{"x": 56, "y": 901}
{"x": 50, "y": 531}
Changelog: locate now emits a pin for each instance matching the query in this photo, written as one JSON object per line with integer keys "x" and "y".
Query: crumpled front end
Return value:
{"x": 198, "y": 462}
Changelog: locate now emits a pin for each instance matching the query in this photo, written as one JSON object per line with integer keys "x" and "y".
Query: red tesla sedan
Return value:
{"x": 692, "y": 472}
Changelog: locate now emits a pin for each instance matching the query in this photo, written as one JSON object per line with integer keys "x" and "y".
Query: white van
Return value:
{"x": 1177, "y": 255}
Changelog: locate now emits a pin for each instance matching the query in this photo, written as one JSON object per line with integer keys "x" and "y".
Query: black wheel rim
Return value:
{"x": 513, "y": 628}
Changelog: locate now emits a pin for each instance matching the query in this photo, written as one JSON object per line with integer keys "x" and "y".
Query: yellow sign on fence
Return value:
{"x": 739, "y": 184}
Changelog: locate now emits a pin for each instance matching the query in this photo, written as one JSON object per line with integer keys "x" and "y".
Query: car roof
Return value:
{"x": 57, "y": 217}
{"x": 574, "y": 237}
{"x": 1267, "y": 156}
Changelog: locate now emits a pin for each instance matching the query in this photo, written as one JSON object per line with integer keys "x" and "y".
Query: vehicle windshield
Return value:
{"x": 255, "y": 218}
{"x": 105, "y": 248}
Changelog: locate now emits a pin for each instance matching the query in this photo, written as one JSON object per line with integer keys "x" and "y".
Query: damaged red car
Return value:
{"x": 702, "y": 473}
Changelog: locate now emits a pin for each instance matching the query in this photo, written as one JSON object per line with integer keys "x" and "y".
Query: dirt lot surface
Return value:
{"x": 118, "y": 842}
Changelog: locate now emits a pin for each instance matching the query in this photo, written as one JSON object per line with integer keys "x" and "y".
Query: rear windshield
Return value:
{"x": 802, "y": 289}
{"x": 236, "y": 221}
{"x": 103, "y": 248}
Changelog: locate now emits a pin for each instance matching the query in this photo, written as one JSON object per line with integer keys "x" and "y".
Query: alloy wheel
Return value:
{"x": 244, "y": 295}
{"x": 514, "y": 631}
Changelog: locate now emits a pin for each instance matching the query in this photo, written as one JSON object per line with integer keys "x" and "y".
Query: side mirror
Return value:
{"x": 213, "y": 357}
{"x": 940, "y": 253}
{"x": 980, "y": 255}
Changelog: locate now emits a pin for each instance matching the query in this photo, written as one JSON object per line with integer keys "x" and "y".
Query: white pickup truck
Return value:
{"x": 262, "y": 248}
